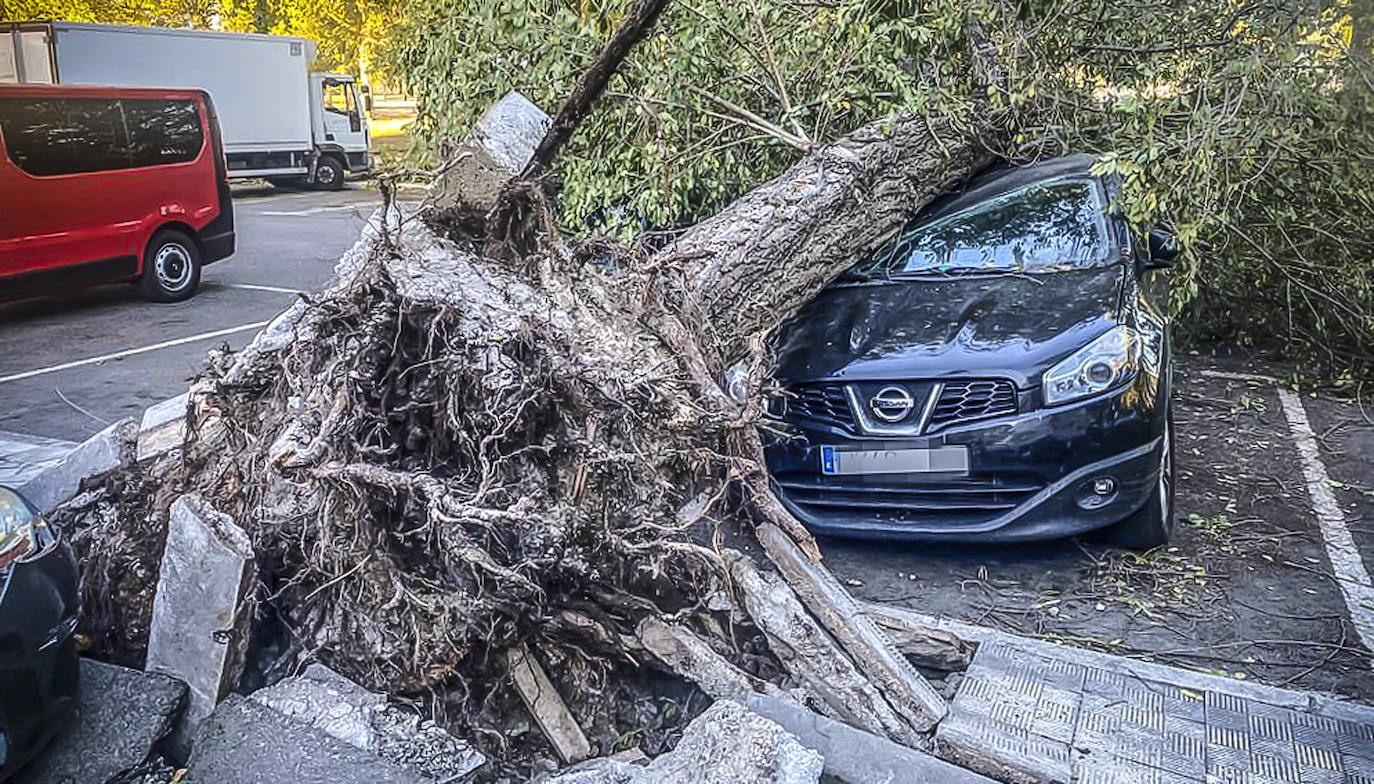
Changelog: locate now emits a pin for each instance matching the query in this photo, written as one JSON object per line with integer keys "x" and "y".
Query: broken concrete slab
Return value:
{"x": 497, "y": 149}
{"x": 329, "y": 702}
{"x": 22, "y": 457}
{"x": 853, "y": 756}
{"x": 163, "y": 428}
{"x": 245, "y": 742}
{"x": 103, "y": 452}
{"x": 201, "y": 613}
{"x": 727, "y": 744}
{"x": 121, "y": 714}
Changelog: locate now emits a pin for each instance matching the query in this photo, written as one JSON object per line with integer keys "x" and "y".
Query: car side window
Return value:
{"x": 1043, "y": 227}
{"x": 51, "y": 136}
{"x": 163, "y": 131}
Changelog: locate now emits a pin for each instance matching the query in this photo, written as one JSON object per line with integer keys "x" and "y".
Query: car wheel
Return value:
{"x": 1153, "y": 524}
{"x": 171, "y": 267}
{"x": 329, "y": 173}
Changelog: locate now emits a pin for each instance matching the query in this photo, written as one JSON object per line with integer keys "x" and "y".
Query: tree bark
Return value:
{"x": 749, "y": 268}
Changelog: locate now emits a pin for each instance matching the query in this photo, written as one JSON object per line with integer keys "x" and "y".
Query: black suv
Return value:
{"x": 999, "y": 370}
{"x": 38, "y": 613}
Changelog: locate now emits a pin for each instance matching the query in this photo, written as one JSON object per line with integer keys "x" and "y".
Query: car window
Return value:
{"x": 162, "y": 131}
{"x": 51, "y": 136}
{"x": 338, "y": 98}
{"x": 1044, "y": 227}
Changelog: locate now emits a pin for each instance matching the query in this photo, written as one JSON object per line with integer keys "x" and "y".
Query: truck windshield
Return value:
{"x": 338, "y": 98}
{"x": 1044, "y": 227}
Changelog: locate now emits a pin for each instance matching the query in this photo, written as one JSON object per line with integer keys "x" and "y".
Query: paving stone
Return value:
{"x": 22, "y": 457}
{"x": 200, "y": 627}
{"x": 853, "y": 756}
{"x": 163, "y": 428}
{"x": 101, "y": 453}
{"x": 327, "y": 701}
{"x": 245, "y": 742}
{"x": 121, "y": 715}
{"x": 497, "y": 149}
{"x": 1129, "y": 728}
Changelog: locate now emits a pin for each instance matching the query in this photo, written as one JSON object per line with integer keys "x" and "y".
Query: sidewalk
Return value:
{"x": 22, "y": 456}
{"x": 1043, "y": 713}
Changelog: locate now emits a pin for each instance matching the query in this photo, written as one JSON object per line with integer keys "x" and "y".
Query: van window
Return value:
{"x": 162, "y": 131}
{"x": 49, "y": 136}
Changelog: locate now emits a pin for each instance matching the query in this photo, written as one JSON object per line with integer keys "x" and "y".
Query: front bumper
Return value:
{"x": 1027, "y": 474}
{"x": 39, "y": 670}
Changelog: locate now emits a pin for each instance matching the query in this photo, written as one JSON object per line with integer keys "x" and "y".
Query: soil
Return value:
{"x": 1244, "y": 589}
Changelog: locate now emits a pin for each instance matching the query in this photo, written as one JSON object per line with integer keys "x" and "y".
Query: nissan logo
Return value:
{"x": 892, "y": 404}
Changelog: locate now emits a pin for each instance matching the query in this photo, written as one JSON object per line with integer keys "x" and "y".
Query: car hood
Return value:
{"x": 1013, "y": 326}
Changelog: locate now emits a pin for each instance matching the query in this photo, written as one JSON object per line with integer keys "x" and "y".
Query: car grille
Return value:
{"x": 952, "y": 504}
{"x": 960, "y": 401}
{"x": 965, "y": 401}
{"x": 824, "y": 403}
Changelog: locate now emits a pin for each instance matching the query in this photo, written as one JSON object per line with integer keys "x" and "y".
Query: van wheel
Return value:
{"x": 171, "y": 267}
{"x": 329, "y": 173}
{"x": 1153, "y": 524}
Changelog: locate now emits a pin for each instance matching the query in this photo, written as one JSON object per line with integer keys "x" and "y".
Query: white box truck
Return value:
{"x": 281, "y": 120}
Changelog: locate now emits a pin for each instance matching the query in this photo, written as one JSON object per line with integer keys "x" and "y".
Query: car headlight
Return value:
{"x": 735, "y": 382}
{"x": 21, "y": 530}
{"x": 1107, "y": 362}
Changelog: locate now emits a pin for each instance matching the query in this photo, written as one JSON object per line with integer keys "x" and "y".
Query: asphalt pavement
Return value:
{"x": 74, "y": 362}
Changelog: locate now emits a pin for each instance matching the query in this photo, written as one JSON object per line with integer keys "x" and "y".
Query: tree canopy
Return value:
{"x": 1245, "y": 127}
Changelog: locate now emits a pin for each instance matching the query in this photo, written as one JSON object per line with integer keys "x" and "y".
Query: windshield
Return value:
{"x": 1045, "y": 227}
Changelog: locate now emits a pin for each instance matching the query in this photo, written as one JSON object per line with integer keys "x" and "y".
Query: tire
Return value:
{"x": 329, "y": 173}
{"x": 171, "y": 267}
{"x": 1153, "y": 524}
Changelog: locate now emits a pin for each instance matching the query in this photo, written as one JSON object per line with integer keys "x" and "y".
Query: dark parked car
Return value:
{"x": 38, "y": 612}
{"x": 998, "y": 371}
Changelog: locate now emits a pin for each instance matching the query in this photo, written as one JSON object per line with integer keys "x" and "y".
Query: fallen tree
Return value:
{"x": 476, "y": 441}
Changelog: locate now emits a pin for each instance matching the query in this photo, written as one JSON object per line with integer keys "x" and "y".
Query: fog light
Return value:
{"x": 1097, "y": 493}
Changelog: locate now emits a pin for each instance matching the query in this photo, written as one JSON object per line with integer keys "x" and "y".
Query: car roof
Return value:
{"x": 32, "y": 90}
{"x": 1004, "y": 177}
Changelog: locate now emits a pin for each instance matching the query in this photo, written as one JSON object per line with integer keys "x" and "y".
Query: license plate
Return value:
{"x": 945, "y": 460}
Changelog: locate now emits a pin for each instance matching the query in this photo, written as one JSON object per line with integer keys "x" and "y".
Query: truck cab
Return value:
{"x": 339, "y": 126}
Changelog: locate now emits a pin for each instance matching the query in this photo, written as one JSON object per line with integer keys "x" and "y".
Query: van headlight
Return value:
{"x": 19, "y": 528}
{"x": 1107, "y": 362}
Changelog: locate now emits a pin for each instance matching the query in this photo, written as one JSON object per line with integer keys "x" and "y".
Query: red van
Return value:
{"x": 107, "y": 184}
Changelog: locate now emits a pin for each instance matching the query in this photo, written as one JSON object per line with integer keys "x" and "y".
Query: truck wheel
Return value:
{"x": 329, "y": 173}
{"x": 1153, "y": 524}
{"x": 171, "y": 267}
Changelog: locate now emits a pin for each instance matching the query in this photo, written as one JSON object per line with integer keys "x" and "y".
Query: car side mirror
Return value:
{"x": 1164, "y": 249}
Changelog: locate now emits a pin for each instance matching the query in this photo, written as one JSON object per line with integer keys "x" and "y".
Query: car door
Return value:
{"x": 65, "y": 206}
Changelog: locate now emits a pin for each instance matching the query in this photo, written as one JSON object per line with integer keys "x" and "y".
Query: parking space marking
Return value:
{"x": 1346, "y": 564}
{"x": 257, "y": 287}
{"x": 132, "y": 351}
{"x": 319, "y": 210}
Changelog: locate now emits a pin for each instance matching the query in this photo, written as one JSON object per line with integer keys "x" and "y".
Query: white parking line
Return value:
{"x": 1346, "y": 564}
{"x": 318, "y": 210}
{"x": 256, "y": 287}
{"x": 131, "y": 352}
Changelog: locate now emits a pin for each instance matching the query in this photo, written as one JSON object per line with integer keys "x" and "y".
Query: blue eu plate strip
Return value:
{"x": 828, "y": 460}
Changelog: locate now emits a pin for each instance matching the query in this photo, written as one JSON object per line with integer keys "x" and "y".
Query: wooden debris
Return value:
{"x": 818, "y": 589}
{"x": 812, "y": 658}
{"x": 548, "y": 709}
{"x": 690, "y": 656}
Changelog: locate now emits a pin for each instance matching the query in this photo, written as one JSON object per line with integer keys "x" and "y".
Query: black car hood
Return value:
{"x": 1013, "y": 326}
